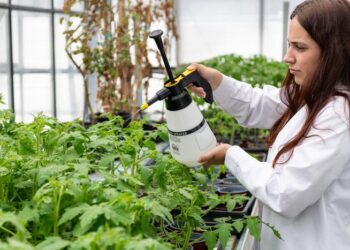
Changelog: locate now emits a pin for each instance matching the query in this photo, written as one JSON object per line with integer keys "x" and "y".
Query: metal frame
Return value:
{"x": 52, "y": 11}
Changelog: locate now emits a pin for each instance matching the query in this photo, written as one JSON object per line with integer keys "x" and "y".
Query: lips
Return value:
{"x": 293, "y": 71}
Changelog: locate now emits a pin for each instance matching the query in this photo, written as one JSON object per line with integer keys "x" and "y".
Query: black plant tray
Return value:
{"x": 239, "y": 212}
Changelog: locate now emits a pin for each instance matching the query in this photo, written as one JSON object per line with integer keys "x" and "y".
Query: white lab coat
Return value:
{"x": 307, "y": 198}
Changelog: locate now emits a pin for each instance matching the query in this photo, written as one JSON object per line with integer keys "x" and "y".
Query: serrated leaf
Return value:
{"x": 133, "y": 180}
{"x": 107, "y": 160}
{"x": 119, "y": 215}
{"x": 224, "y": 230}
{"x": 28, "y": 214}
{"x": 276, "y": 233}
{"x": 14, "y": 244}
{"x": 150, "y": 144}
{"x": 253, "y": 225}
{"x": 210, "y": 239}
{"x": 161, "y": 211}
{"x": 231, "y": 204}
{"x": 145, "y": 244}
{"x": 238, "y": 225}
{"x": 53, "y": 243}
{"x": 99, "y": 143}
{"x": 146, "y": 174}
{"x": 185, "y": 193}
{"x": 71, "y": 213}
{"x": 90, "y": 215}
{"x": 126, "y": 160}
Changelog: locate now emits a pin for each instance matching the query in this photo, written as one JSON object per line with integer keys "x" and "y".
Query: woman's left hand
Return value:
{"x": 215, "y": 156}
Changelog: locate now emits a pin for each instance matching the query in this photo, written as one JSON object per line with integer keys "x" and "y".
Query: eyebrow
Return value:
{"x": 297, "y": 43}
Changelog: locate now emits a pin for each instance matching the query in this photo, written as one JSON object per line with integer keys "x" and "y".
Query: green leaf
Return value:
{"x": 145, "y": 244}
{"x": 90, "y": 215}
{"x": 4, "y": 171}
{"x": 275, "y": 232}
{"x": 202, "y": 178}
{"x": 146, "y": 174}
{"x": 99, "y": 143}
{"x": 29, "y": 214}
{"x": 53, "y": 243}
{"x": 132, "y": 180}
{"x": 185, "y": 193}
{"x": 231, "y": 204}
{"x": 15, "y": 244}
{"x": 9, "y": 217}
{"x": 210, "y": 238}
{"x": 238, "y": 225}
{"x": 107, "y": 160}
{"x": 161, "y": 211}
{"x": 118, "y": 215}
{"x": 224, "y": 230}
{"x": 126, "y": 160}
{"x": 71, "y": 213}
{"x": 52, "y": 170}
{"x": 150, "y": 144}
{"x": 253, "y": 224}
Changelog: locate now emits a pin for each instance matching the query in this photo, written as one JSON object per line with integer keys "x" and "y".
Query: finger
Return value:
{"x": 193, "y": 66}
{"x": 206, "y": 165}
{"x": 197, "y": 90}
{"x": 205, "y": 158}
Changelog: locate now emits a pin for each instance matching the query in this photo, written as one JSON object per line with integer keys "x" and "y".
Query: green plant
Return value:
{"x": 108, "y": 40}
{"x": 50, "y": 197}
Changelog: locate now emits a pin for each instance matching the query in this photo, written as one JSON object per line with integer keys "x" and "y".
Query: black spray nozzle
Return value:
{"x": 160, "y": 95}
{"x": 157, "y": 36}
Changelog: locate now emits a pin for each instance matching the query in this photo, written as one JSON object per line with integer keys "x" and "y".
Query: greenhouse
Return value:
{"x": 173, "y": 124}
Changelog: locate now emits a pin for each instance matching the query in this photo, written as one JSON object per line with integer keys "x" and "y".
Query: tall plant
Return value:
{"x": 111, "y": 39}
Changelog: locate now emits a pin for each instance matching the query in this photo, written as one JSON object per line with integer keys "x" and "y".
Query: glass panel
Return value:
{"x": 33, "y": 3}
{"x": 273, "y": 29}
{"x": 58, "y": 4}
{"x": 31, "y": 40}
{"x": 32, "y": 64}
{"x": 4, "y": 59}
{"x": 33, "y": 94}
{"x": 70, "y": 96}
{"x": 229, "y": 27}
{"x": 69, "y": 83}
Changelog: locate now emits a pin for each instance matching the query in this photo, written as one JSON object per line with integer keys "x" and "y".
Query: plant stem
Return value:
{"x": 188, "y": 232}
{"x": 7, "y": 230}
{"x": 57, "y": 210}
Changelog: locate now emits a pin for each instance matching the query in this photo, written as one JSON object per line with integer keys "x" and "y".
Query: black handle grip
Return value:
{"x": 197, "y": 80}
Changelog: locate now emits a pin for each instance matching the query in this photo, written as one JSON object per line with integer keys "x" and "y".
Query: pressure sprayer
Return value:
{"x": 189, "y": 134}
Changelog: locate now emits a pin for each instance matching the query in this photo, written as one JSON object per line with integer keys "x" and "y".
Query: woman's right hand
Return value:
{"x": 213, "y": 76}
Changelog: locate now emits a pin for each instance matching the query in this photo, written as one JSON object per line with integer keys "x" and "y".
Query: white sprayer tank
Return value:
{"x": 189, "y": 134}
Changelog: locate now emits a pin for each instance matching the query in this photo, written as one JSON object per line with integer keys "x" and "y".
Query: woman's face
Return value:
{"x": 303, "y": 54}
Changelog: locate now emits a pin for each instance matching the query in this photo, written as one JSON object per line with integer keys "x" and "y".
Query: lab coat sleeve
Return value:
{"x": 292, "y": 186}
{"x": 252, "y": 107}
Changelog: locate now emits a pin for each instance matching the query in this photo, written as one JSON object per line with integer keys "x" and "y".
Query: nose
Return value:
{"x": 289, "y": 58}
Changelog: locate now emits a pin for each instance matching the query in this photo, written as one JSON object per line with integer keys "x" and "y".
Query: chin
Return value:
{"x": 297, "y": 81}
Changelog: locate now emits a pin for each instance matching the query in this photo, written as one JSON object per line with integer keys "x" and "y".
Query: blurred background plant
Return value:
{"x": 108, "y": 41}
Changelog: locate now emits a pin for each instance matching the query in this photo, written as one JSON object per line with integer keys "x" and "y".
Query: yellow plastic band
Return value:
{"x": 179, "y": 78}
{"x": 144, "y": 106}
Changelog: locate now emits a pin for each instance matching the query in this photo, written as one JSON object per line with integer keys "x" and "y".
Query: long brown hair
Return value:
{"x": 328, "y": 23}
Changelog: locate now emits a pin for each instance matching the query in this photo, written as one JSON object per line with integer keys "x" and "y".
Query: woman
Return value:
{"x": 304, "y": 187}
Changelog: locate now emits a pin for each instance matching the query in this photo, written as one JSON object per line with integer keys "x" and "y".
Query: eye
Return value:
{"x": 299, "y": 48}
